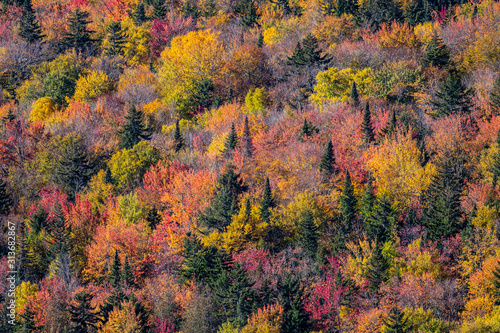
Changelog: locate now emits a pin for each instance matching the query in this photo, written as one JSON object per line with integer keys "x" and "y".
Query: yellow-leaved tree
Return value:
{"x": 94, "y": 84}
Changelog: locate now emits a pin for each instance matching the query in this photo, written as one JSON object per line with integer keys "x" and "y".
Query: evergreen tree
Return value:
{"x": 191, "y": 9}
{"x": 127, "y": 273}
{"x": 396, "y": 323}
{"x": 327, "y": 161}
{"x": 441, "y": 201}
{"x": 108, "y": 179}
{"x": 260, "y": 41}
{"x": 78, "y": 36}
{"x": 307, "y": 54}
{"x": 327, "y": 7}
{"x": 309, "y": 234}
{"x": 134, "y": 129}
{"x": 348, "y": 7}
{"x": 377, "y": 269}
{"x": 59, "y": 233}
{"x": 291, "y": 295}
{"x": 179, "y": 142}
{"x": 417, "y": 11}
{"x": 452, "y": 97}
{"x": 153, "y": 218}
{"x": 354, "y": 94}
{"x": 495, "y": 96}
{"x": 247, "y": 11}
{"x": 377, "y": 12}
{"x": 73, "y": 169}
{"x": 267, "y": 202}
{"x": 8, "y": 117}
{"x": 5, "y": 199}
{"x": 496, "y": 284}
{"x": 390, "y": 128}
{"x": 307, "y": 130}
{"x": 30, "y": 29}
{"x": 496, "y": 169}
{"x": 116, "y": 39}
{"x": 160, "y": 11}
{"x": 348, "y": 204}
{"x": 247, "y": 139}
{"x": 115, "y": 276}
{"x": 437, "y": 53}
{"x": 231, "y": 142}
{"x": 367, "y": 127}
{"x": 382, "y": 221}
{"x": 368, "y": 201}
{"x": 139, "y": 14}
{"x": 83, "y": 318}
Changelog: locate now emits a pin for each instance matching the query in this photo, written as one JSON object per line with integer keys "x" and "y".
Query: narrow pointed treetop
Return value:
{"x": 139, "y": 14}
{"x": 134, "y": 130}
{"x": 452, "y": 97}
{"x": 348, "y": 201}
{"x": 78, "y": 36}
{"x": 247, "y": 139}
{"x": 327, "y": 161}
{"x": 267, "y": 202}
{"x": 115, "y": 39}
{"x": 179, "y": 142}
{"x": 309, "y": 234}
{"x": 367, "y": 127}
{"x": 115, "y": 271}
{"x": 30, "y": 29}
{"x": 231, "y": 141}
{"x": 354, "y": 93}
{"x": 437, "y": 53}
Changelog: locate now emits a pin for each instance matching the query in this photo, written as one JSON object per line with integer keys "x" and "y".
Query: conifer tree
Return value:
{"x": 247, "y": 11}
{"x": 367, "y": 127}
{"x": 160, "y": 11}
{"x": 307, "y": 130}
{"x": 59, "y": 233}
{"x": 307, "y": 54}
{"x": 247, "y": 139}
{"x": 354, "y": 94}
{"x": 134, "y": 129}
{"x": 452, "y": 97}
{"x": 291, "y": 295}
{"x": 496, "y": 284}
{"x": 417, "y": 11}
{"x": 260, "y": 41}
{"x": 309, "y": 234}
{"x": 30, "y": 29}
{"x": 179, "y": 142}
{"x": 368, "y": 201}
{"x": 116, "y": 39}
{"x": 382, "y": 221}
{"x": 5, "y": 199}
{"x": 496, "y": 169}
{"x": 8, "y": 117}
{"x": 191, "y": 9}
{"x": 73, "y": 168}
{"x": 115, "y": 276}
{"x": 153, "y": 218}
{"x": 108, "y": 179}
{"x": 139, "y": 14}
{"x": 377, "y": 269}
{"x": 127, "y": 273}
{"x": 231, "y": 141}
{"x": 327, "y": 7}
{"x": 78, "y": 36}
{"x": 83, "y": 317}
{"x": 495, "y": 96}
{"x": 348, "y": 7}
{"x": 327, "y": 162}
{"x": 348, "y": 204}
{"x": 390, "y": 128}
{"x": 396, "y": 323}
{"x": 437, "y": 53}
{"x": 267, "y": 202}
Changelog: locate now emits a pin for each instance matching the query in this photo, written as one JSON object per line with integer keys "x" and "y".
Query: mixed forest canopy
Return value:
{"x": 239, "y": 166}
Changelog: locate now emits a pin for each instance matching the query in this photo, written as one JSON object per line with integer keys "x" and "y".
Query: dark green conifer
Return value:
{"x": 5, "y": 199}
{"x": 496, "y": 284}
{"x": 108, "y": 179}
{"x": 179, "y": 142}
{"x": 495, "y": 96}
{"x": 115, "y": 276}
{"x": 377, "y": 269}
{"x": 495, "y": 169}
{"x": 260, "y": 41}
{"x": 59, "y": 233}
{"x": 267, "y": 202}
{"x": 474, "y": 12}
{"x": 348, "y": 7}
{"x": 291, "y": 296}
{"x": 327, "y": 7}
{"x": 354, "y": 94}
{"x": 83, "y": 317}
{"x": 367, "y": 127}
{"x": 160, "y": 10}
{"x": 231, "y": 141}
{"x": 247, "y": 11}
{"x": 127, "y": 274}
{"x": 153, "y": 218}
{"x": 116, "y": 39}
{"x": 307, "y": 54}
{"x": 309, "y": 234}
{"x": 307, "y": 130}
{"x": 348, "y": 204}
{"x": 326, "y": 166}
{"x": 417, "y": 11}
{"x": 247, "y": 139}
{"x": 191, "y": 9}
{"x": 382, "y": 221}
{"x": 30, "y": 29}
{"x": 134, "y": 129}
{"x": 396, "y": 323}
{"x": 452, "y": 97}
{"x": 139, "y": 14}
{"x": 390, "y": 127}
{"x": 368, "y": 201}
{"x": 78, "y": 36}
{"x": 436, "y": 53}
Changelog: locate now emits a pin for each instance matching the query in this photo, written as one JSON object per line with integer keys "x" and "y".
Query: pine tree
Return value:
{"x": 348, "y": 7}
{"x": 78, "y": 36}
{"x": 396, "y": 323}
{"x": 231, "y": 142}
{"x": 354, "y": 94}
{"x": 367, "y": 127}
{"x": 495, "y": 96}
{"x": 307, "y": 54}
{"x": 368, "y": 201}
{"x": 139, "y": 14}
{"x": 83, "y": 318}
{"x": 452, "y": 97}
{"x": 309, "y": 234}
{"x": 291, "y": 295}
{"x": 179, "y": 142}
{"x": 267, "y": 202}
{"x": 247, "y": 11}
{"x": 30, "y": 29}
{"x": 73, "y": 169}
{"x": 115, "y": 276}
{"x": 160, "y": 11}
{"x": 116, "y": 39}
{"x": 134, "y": 129}
{"x": 348, "y": 204}
{"x": 390, "y": 128}
{"x": 381, "y": 223}
{"x": 377, "y": 269}
{"x": 247, "y": 139}
{"x": 496, "y": 284}
{"x": 326, "y": 166}
{"x": 5, "y": 199}
{"x": 437, "y": 53}
{"x": 127, "y": 273}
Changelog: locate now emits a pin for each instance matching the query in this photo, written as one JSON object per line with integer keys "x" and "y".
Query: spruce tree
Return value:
{"x": 5, "y": 199}
{"x": 348, "y": 204}
{"x": 30, "y": 29}
{"x": 78, "y": 36}
{"x": 267, "y": 202}
{"x": 179, "y": 143}
{"x": 247, "y": 139}
{"x": 326, "y": 166}
{"x": 116, "y": 39}
{"x": 247, "y": 11}
{"x": 307, "y": 54}
{"x": 496, "y": 169}
{"x": 127, "y": 274}
{"x": 134, "y": 129}
{"x": 348, "y": 7}
{"x": 377, "y": 269}
{"x": 496, "y": 284}
{"x": 73, "y": 169}
{"x": 354, "y": 94}
{"x": 59, "y": 233}
{"x": 115, "y": 276}
{"x": 396, "y": 323}
{"x": 309, "y": 234}
{"x": 291, "y": 295}
{"x": 390, "y": 127}
{"x": 160, "y": 11}
{"x": 368, "y": 201}
{"x": 139, "y": 15}
{"x": 231, "y": 142}
{"x": 495, "y": 96}
{"x": 381, "y": 223}
{"x": 307, "y": 130}
{"x": 452, "y": 97}
{"x": 367, "y": 127}
{"x": 417, "y": 11}
{"x": 83, "y": 317}
{"x": 153, "y": 218}
{"x": 437, "y": 53}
